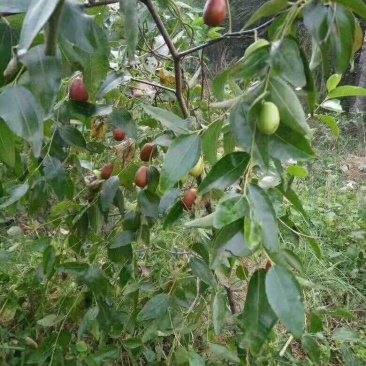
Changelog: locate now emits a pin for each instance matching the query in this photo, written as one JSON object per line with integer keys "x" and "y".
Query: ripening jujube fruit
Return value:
{"x": 78, "y": 91}
{"x": 141, "y": 177}
{"x": 106, "y": 171}
{"x": 189, "y": 198}
{"x": 148, "y": 152}
{"x": 214, "y": 12}
{"x": 269, "y": 118}
{"x": 118, "y": 134}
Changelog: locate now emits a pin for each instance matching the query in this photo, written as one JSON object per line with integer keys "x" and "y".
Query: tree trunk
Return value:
{"x": 359, "y": 103}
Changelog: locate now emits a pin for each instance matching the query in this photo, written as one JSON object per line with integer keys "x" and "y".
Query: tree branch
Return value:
{"x": 173, "y": 52}
{"x": 231, "y": 35}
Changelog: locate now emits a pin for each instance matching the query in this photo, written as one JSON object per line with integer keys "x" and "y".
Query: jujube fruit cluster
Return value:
{"x": 77, "y": 91}
{"x": 214, "y": 12}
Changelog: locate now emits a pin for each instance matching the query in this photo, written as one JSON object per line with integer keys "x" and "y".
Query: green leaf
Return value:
{"x": 347, "y": 91}
{"x": 182, "y": 156}
{"x": 316, "y": 21}
{"x": 286, "y": 61}
{"x": 133, "y": 342}
{"x": 95, "y": 280}
{"x": 344, "y": 334}
{"x": 45, "y": 76}
{"x": 37, "y": 15}
{"x": 209, "y": 141}
{"x": 224, "y": 353}
{"x": 243, "y": 121}
{"x": 15, "y": 6}
{"x": 15, "y": 193}
{"x": 310, "y": 88}
{"x": 287, "y": 144}
{"x": 56, "y": 176}
{"x": 7, "y": 145}
{"x": 202, "y": 222}
{"x": 167, "y": 119}
{"x": 253, "y": 66}
{"x": 258, "y": 316}
{"x": 265, "y": 217}
{"x": 20, "y": 111}
{"x": 122, "y": 119}
{"x": 358, "y": 6}
{"x": 229, "y": 209}
{"x": 225, "y": 172}
{"x": 285, "y": 298}
{"x": 291, "y": 195}
{"x": 50, "y": 320}
{"x": 49, "y": 261}
{"x": 125, "y": 275}
{"x": 269, "y": 8}
{"x": 77, "y": 27}
{"x": 311, "y": 347}
{"x": 108, "y": 192}
{"x": 88, "y": 110}
{"x": 72, "y": 136}
{"x": 121, "y": 240}
{"x": 119, "y": 202}
{"x": 333, "y": 81}
{"x": 229, "y": 242}
{"x": 293, "y": 260}
{"x": 155, "y": 308}
{"x": 331, "y": 122}
{"x": 106, "y": 353}
{"x": 9, "y": 38}
{"x": 195, "y": 359}
{"x": 297, "y": 171}
{"x": 348, "y": 356}
{"x": 73, "y": 267}
{"x": 203, "y": 272}
{"x": 149, "y": 203}
{"x": 168, "y": 201}
{"x": 112, "y": 81}
{"x": 174, "y": 214}
{"x": 129, "y": 12}
{"x": 218, "y": 311}
{"x": 289, "y": 106}
{"x": 315, "y": 323}
{"x": 342, "y": 24}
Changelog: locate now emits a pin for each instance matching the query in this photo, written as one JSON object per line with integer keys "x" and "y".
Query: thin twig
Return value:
{"x": 153, "y": 84}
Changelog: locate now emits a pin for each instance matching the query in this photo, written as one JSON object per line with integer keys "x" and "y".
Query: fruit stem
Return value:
{"x": 51, "y": 29}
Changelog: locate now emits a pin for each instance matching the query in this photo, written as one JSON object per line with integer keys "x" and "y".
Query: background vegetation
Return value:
{"x": 267, "y": 268}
